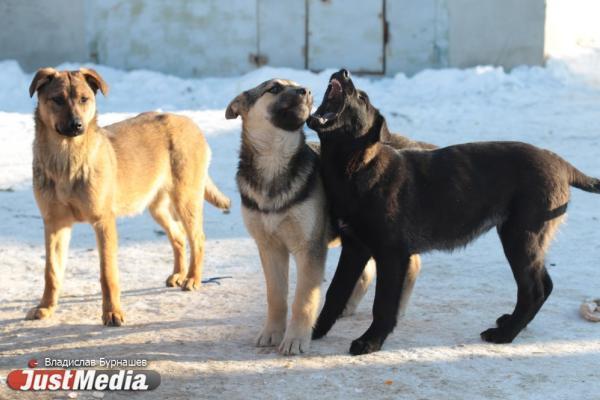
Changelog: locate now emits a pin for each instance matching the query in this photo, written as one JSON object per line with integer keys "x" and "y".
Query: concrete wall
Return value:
{"x": 42, "y": 32}
{"x": 505, "y": 32}
{"x": 417, "y": 35}
{"x": 183, "y": 37}
{"x": 226, "y": 37}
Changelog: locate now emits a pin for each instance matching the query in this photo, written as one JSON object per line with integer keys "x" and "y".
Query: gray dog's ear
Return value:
{"x": 238, "y": 106}
{"x": 42, "y": 77}
{"x": 94, "y": 80}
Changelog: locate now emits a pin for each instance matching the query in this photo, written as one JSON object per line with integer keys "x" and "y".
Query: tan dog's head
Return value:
{"x": 282, "y": 103}
{"x": 67, "y": 99}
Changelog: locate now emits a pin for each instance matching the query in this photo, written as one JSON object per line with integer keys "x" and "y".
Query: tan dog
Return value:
{"x": 84, "y": 173}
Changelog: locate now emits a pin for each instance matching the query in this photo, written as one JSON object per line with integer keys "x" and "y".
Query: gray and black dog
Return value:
{"x": 399, "y": 203}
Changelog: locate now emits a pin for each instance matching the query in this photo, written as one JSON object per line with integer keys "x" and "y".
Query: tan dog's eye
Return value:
{"x": 275, "y": 89}
{"x": 83, "y": 100}
{"x": 58, "y": 100}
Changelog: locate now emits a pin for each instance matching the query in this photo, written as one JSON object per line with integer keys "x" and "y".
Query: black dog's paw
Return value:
{"x": 497, "y": 335}
{"x": 504, "y": 320}
{"x": 364, "y": 346}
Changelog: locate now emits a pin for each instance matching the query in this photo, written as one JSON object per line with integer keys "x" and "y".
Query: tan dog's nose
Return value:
{"x": 76, "y": 125}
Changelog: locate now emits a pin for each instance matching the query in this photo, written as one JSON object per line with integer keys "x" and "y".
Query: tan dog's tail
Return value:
{"x": 214, "y": 196}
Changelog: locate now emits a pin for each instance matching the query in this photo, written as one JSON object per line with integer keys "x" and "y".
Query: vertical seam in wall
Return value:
{"x": 435, "y": 34}
{"x": 257, "y": 30}
{"x": 386, "y": 37}
{"x": 306, "y": 41}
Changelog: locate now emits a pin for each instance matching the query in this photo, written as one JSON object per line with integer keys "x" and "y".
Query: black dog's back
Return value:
{"x": 459, "y": 192}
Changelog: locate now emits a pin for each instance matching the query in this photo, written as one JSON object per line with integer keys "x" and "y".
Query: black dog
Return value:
{"x": 398, "y": 203}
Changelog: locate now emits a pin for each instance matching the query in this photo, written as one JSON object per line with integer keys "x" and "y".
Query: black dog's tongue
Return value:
{"x": 335, "y": 90}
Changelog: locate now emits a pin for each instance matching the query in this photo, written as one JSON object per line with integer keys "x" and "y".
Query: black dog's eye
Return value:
{"x": 275, "y": 89}
{"x": 83, "y": 100}
{"x": 58, "y": 100}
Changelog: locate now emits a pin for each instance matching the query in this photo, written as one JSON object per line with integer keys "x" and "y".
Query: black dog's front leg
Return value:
{"x": 391, "y": 271}
{"x": 350, "y": 266}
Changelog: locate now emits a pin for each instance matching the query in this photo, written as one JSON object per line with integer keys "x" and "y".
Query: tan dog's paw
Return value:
{"x": 269, "y": 337}
{"x": 175, "y": 280}
{"x": 294, "y": 345}
{"x": 113, "y": 318}
{"x": 40, "y": 312}
{"x": 191, "y": 284}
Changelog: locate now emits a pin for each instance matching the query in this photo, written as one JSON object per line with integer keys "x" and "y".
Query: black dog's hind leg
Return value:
{"x": 391, "y": 272}
{"x": 351, "y": 264}
{"x": 524, "y": 249}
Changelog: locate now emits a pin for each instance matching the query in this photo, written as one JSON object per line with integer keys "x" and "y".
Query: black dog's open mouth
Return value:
{"x": 332, "y": 105}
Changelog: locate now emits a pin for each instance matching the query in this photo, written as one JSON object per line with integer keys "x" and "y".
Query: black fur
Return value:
{"x": 398, "y": 203}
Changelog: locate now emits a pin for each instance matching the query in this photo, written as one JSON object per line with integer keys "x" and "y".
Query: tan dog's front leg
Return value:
{"x": 275, "y": 262}
{"x": 57, "y": 235}
{"x": 106, "y": 237}
{"x": 310, "y": 267}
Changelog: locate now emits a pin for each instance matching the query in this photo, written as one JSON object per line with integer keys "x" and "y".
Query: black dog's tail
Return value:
{"x": 581, "y": 181}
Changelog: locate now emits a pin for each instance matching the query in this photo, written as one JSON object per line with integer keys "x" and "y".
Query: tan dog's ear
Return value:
{"x": 238, "y": 106}
{"x": 42, "y": 76}
{"x": 94, "y": 80}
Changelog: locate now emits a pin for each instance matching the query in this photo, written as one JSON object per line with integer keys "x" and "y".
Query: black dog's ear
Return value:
{"x": 384, "y": 132}
{"x": 42, "y": 77}
{"x": 94, "y": 80}
{"x": 237, "y": 107}
{"x": 379, "y": 130}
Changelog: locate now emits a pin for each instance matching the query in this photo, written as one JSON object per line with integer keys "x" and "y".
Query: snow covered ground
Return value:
{"x": 202, "y": 342}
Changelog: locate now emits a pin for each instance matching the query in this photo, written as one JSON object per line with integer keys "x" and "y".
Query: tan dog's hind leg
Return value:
{"x": 366, "y": 278}
{"x": 414, "y": 267}
{"x": 57, "y": 236}
{"x": 106, "y": 237}
{"x": 310, "y": 265}
{"x": 360, "y": 289}
{"x": 162, "y": 212}
{"x": 190, "y": 213}
{"x": 275, "y": 262}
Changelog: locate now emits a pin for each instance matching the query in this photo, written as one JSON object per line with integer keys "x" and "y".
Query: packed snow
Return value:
{"x": 202, "y": 343}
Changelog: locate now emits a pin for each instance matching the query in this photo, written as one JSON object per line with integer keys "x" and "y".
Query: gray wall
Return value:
{"x": 37, "y": 33}
{"x": 227, "y": 37}
{"x": 506, "y": 32}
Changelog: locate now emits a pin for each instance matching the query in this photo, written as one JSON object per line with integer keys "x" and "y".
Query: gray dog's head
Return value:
{"x": 280, "y": 102}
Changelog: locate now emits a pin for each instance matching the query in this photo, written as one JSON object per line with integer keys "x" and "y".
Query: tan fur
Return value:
{"x": 159, "y": 161}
